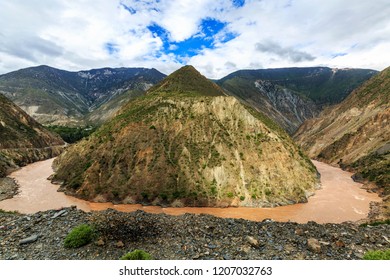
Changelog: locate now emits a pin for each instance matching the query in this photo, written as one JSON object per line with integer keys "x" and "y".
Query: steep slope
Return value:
{"x": 290, "y": 96}
{"x": 284, "y": 106}
{"x": 187, "y": 81}
{"x": 54, "y": 96}
{"x": 22, "y": 139}
{"x": 356, "y": 132}
{"x": 186, "y": 144}
{"x": 323, "y": 85}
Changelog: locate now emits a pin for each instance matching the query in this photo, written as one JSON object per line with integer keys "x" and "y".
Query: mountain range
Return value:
{"x": 187, "y": 140}
{"x": 289, "y": 96}
{"x": 292, "y": 95}
{"x": 54, "y": 96}
{"x": 185, "y": 143}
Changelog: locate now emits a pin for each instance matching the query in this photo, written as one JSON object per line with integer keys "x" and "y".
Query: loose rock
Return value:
{"x": 252, "y": 241}
{"x": 182, "y": 237}
{"x": 30, "y": 239}
{"x": 314, "y": 245}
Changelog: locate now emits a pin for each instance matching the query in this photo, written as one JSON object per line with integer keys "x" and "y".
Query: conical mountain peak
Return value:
{"x": 187, "y": 80}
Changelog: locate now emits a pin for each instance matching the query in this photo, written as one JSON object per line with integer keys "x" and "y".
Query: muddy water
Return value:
{"x": 340, "y": 199}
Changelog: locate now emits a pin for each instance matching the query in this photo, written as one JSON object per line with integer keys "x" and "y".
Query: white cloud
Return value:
{"x": 72, "y": 35}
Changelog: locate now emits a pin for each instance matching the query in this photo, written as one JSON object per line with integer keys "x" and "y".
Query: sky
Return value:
{"x": 217, "y": 37}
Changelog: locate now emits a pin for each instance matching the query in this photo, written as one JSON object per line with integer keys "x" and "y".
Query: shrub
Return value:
{"x": 79, "y": 236}
{"x": 377, "y": 255}
{"x": 137, "y": 255}
{"x": 242, "y": 198}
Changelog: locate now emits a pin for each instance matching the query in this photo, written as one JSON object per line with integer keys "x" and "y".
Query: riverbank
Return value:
{"x": 340, "y": 199}
{"x": 8, "y": 188}
{"x": 183, "y": 237}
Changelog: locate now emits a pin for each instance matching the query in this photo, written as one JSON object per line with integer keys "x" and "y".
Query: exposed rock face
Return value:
{"x": 355, "y": 133}
{"x": 181, "y": 147}
{"x": 285, "y": 106}
{"x": 289, "y": 96}
{"x": 22, "y": 139}
{"x": 54, "y": 96}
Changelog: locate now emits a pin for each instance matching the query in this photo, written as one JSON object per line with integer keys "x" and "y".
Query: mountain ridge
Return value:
{"x": 355, "y": 133}
{"x": 290, "y": 96}
{"x": 55, "y": 96}
{"x": 173, "y": 147}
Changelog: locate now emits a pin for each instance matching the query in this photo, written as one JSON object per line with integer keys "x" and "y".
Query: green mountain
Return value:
{"x": 187, "y": 81}
{"x": 290, "y": 96}
{"x": 22, "y": 139}
{"x": 356, "y": 132}
{"x": 54, "y": 96}
{"x": 185, "y": 143}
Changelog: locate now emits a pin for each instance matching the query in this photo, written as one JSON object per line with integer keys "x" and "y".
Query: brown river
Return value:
{"x": 340, "y": 199}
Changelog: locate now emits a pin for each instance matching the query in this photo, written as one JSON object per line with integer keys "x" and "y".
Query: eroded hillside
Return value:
{"x": 22, "y": 139}
{"x": 355, "y": 133}
{"x": 182, "y": 147}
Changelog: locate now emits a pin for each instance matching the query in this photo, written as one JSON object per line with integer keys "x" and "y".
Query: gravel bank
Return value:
{"x": 182, "y": 237}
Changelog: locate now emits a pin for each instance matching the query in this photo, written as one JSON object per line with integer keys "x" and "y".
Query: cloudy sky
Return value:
{"x": 216, "y": 36}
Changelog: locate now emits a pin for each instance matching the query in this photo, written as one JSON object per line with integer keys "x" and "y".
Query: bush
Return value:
{"x": 79, "y": 236}
{"x": 377, "y": 255}
{"x": 137, "y": 255}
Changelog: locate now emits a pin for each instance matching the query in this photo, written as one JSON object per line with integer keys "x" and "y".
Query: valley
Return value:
{"x": 314, "y": 230}
{"x": 340, "y": 199}
{"x": 220, "y": 170}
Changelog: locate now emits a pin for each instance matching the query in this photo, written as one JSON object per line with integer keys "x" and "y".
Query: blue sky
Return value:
{"x": 216, "y": 36}
{"x": 210, "y": 32}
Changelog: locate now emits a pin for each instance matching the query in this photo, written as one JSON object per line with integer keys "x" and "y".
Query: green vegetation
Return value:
{"x": 72, "y": 134}
{"x": 320, "y": 84}
{"x": 79, "y": 236}
{"x": 171, "y": 147}
{"x": 9, "y": 212}
{"x": 376, "y": 223}
{"x": 375, "y": 168}
{"x": 187, "y": 80}
{"x": 137, "y": 255}
{"x": 67, "y": 96}
{"x": 377, "y": 255}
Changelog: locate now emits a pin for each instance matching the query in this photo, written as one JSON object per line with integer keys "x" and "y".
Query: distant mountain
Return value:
{"x": 356, "y": 132}
{"x": 186, "y": 143}
{"x": 292, "y": 95}
{"x": 22, "y": 139}
{"x": 54, "y": 96}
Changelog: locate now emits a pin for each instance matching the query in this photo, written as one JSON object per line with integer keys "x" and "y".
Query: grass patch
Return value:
{"x": 9, "y": 212}
{"x": 79, "y": 236}
{"x": 376, "y": 223}
{"x": 377, "y": 255}
{"x": 137, "y": 255}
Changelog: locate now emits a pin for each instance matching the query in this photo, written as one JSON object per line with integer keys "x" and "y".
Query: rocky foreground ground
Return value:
{"x": 41, "y": 236}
